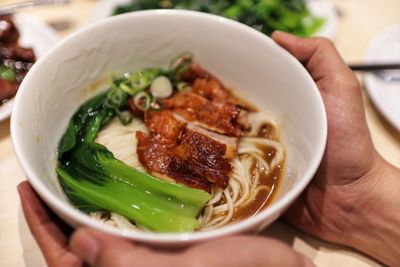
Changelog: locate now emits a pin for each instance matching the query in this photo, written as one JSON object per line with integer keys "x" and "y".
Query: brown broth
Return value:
{"x": 264, "y": 197}
{"x": 267, "y": 131}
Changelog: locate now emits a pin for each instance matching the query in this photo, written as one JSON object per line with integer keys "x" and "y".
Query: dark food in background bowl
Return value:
{"x": 15, "y": 61}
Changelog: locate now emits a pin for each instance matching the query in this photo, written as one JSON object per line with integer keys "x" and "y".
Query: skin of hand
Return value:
{"x": 87, "y": 246}
{"x": 353, "y": 197}
{"x": 50, "y": 233}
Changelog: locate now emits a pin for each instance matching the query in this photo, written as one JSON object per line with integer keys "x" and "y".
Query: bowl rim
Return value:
{"x": 68, "y": 211}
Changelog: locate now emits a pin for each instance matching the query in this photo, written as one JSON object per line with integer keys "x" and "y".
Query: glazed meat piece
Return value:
{"x": 203, "y": 156}
{"x": 7, "y": 90}
{"x": 164, "y": 123}
{"x": 8, "y": 32}
{"x": 17, "y": 53}
{"x": 154, "y": 151}
{"x": 206, "y": 85}
{"x": 157, "y": 155}
{"x": 185, "y": 101}
{"x": 194, "y": 72}
{"x": 220, "y": 117}
{"x": 13, "y": 59}
{"x": 184, "y": 153}
{"x": 212, "y": 89}
{"x": 229, "y": 141}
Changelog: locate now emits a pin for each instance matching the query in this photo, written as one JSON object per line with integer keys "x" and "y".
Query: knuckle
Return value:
{"x": 324, "y": 43}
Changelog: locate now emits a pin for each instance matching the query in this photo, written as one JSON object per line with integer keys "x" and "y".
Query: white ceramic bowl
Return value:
{"x": 240, "y": 56}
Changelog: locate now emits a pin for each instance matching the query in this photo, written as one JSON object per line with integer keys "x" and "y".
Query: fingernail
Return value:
{"x": 21, "y": 186}
{"x": 284, "y": 34}
{"x": 85, "y": 245}
{"x": 277, "y": 32}
{"x": 278, "y": 35}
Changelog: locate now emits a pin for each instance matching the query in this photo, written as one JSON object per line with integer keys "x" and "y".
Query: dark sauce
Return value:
{"x": 267, "y": 131}
{"x": 264, "y": 197}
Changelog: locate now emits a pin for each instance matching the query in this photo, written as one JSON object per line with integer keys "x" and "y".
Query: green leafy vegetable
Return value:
{"x": 87, "y": 112}
{"x": 264, "y": 15}
{"x": 94, "y": 180}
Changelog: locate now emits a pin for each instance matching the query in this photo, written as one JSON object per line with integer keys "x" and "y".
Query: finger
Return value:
{"x": 103, "y": 250}
{"x": 246, "y": 251}
{"x": 318, "y": 55}
{"x": 50, "y": 238}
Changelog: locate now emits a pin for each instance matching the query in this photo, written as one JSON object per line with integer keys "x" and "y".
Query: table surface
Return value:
{"x": 359, "y": 22}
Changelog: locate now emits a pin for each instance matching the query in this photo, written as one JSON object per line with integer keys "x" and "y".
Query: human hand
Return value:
{"x": 353, "y": 186}
{"x": 100, "y": 249}
{"x": 50, "y": 233}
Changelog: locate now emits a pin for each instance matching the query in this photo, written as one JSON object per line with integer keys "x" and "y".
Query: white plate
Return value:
{"x": 33, "y": 33}
{"x": 385, "y": 94}
{"x": 320, "y": 8}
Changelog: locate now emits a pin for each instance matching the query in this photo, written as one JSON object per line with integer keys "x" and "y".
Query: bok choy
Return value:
{"x": 94, "y": 180}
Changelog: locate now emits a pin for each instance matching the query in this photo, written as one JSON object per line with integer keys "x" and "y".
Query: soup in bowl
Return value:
{"x": 169, "y": 127}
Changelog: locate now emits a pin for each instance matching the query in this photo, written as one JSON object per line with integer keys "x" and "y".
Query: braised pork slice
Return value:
{"x": 164, "y": 123}
{"x": 229, "y": 141}
{"x": 203, "y": 156}
{"x": 157, "y": 155}
{"x": 216, "y": 116}
{"x": 208, "y": 86}
{"x": 212, "y": 89}
{"x": 154, "y": 152}
{"x": 185, "y": 154}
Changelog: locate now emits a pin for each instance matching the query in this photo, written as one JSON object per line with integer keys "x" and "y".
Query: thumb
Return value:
{"x": 103, "y": 250}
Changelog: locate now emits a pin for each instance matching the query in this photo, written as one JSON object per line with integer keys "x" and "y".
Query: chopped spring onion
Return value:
{"x": 125, "y": 88}
{"x": 161, "y": 87}
{"x": 142, "y": 100}
{"x": 181, "y": 63}
{"x": 137, "y": 81}
{"x": 183, "y": 87}
{"x": 140, "y": 80}
{"x": 115, "y": 98}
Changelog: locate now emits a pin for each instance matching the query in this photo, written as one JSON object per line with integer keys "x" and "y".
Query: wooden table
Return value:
{"x": 359, "y": 22}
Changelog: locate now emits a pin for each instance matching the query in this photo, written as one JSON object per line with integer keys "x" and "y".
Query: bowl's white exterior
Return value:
{"x": 241, "y": 57}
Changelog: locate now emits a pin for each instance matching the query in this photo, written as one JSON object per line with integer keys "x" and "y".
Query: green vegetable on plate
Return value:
{"x": 264, "y": 15}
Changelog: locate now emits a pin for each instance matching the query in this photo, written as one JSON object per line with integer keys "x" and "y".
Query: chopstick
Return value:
{"x": 13, "y": 8}
{"x": 374, "y": 66}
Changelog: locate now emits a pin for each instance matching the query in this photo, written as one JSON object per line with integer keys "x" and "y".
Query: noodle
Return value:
{"x": 121, "y": 140}
{"x": 244, "y": 183}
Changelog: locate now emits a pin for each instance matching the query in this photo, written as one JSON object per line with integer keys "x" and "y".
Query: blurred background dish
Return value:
{"x": 383, "y": 93}
{"x": 35, "y": 34}
{"x": 317, "y": 18}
